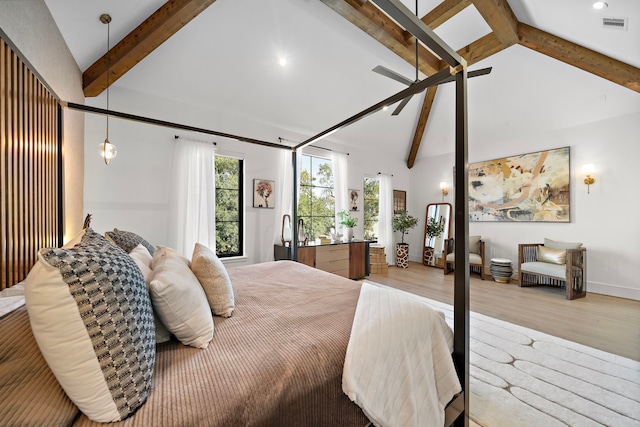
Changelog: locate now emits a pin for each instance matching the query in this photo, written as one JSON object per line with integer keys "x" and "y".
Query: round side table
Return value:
{"x": 501, "y": 269}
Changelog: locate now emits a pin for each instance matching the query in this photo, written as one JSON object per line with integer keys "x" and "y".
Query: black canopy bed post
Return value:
{"x": 294, "y": 213}
{"x": 458, "y": 68}
{"x": 461, "y": 278}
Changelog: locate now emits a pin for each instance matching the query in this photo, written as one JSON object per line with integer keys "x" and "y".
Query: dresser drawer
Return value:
{"x": 331, "y": 253}
{"x": 334, "y": 266}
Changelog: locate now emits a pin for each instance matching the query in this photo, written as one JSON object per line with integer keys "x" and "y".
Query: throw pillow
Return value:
{"x": 179, "y": 299}
{"x": 142, "y": 258}
{"x": 552, "y": 244}
{"x": 213, "y": 277}
{"x": 474, "y": 244}
{"x": 91, "y": 316}
{"x": 127, "y": 240}
{"x": 553, "y": 256}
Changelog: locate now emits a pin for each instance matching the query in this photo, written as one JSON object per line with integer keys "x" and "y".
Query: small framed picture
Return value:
{"x": 355, "y": 197}
{"x": 263, "y": 193}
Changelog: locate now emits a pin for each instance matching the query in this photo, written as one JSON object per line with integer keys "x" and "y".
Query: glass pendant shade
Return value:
{"x": 108, "y": 151}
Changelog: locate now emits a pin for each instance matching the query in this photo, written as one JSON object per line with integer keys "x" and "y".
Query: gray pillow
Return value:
{"x": 128, "y": 240}
{"x": 553, "y": 244}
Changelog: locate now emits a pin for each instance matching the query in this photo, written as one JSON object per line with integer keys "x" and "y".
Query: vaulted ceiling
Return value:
{"x": 499, "y": 28}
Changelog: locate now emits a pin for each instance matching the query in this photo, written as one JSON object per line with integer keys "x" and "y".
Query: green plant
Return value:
{"x": 403, "y": 222}
{"x": 347, "y": 220}
{"x": 434, "y": 228}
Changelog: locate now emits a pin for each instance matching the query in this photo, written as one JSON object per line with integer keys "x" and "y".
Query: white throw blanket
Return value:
{"x": 398, "y": 367}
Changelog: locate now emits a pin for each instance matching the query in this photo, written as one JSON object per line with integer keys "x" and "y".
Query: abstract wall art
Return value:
{"x": 527, "y": 187}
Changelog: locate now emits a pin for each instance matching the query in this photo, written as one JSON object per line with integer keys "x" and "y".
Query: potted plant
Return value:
{"x": 348, "y": 222}
{"x": 435, "y": 228}
{"x": 403, "y": 222}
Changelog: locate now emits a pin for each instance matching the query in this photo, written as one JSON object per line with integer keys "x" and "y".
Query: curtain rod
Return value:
{"x": 194, "y": 139}
{"x": 314, "y": 146}
{"x": 380, "y": 173}
{"x": 141, "y": 119}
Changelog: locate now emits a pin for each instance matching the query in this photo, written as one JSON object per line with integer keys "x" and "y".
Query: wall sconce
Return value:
{"x": 444, "y": 189}
{"x": 286, "y": 236}
{"x": 587, "y": 170}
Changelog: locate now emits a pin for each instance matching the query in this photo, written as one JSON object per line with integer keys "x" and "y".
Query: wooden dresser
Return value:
{"x": 344, "y": 259}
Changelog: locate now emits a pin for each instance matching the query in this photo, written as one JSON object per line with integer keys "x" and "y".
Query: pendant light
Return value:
{"x": 107, "y": 149}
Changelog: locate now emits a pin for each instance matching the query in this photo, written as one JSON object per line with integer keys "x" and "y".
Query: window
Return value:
{"x": 371, "y": 208}
{"x": 229, "y": 206}
{"x": 316, "y": 204}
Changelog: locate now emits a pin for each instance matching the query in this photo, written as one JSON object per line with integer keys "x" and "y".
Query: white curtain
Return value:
{"x": 339, "y": 168}
{"x": 192, "y": 197}
{"x": 285, "y": 189}
{"x": 285, "y": 186}
{"x": 385, "y": 215}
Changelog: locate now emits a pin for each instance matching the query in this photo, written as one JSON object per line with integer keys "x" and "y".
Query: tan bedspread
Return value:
{"x": 277, "y": 361}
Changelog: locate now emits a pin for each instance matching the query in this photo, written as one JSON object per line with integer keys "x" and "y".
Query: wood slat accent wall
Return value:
{"x": 30, "y": 168}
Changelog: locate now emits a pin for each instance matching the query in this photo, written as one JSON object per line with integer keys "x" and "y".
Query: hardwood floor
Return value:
{"x": 607, "y": 323}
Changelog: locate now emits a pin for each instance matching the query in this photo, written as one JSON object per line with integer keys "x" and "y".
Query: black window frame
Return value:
{"x": 241, "y": 207}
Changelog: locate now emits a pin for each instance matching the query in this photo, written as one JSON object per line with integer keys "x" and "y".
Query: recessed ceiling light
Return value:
{"x": 600, "y": 5}
{"x": 385, "y": 108}
{"x": 282, "y": 61}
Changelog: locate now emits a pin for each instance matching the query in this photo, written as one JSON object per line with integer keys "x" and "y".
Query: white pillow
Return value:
{"x": 141, "y": 255}
{"x": 91, "y": 316}
{"x": 553, "y": 244}
{"x": 474, "y": 244}
{"x": 179, "y": 299}
{"x": 214, "y": 279}
{"x": 143, "y": 258}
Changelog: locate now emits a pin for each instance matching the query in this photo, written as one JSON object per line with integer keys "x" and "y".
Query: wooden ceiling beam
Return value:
{"x": 444, "y": 11}
{"x": 422, "y": 125}
{"x": 480, "y": 49}
{"x": 140, "y": 42}
{"x": 378, "y": 25}
{"x": 440, "y": 14}
{"x": 501, "y": 19}
{"x": 586, "y": 59}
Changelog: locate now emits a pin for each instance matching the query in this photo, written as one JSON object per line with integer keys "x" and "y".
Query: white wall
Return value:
{"x": 603, "y": 220}
{"x": 132, "y": 192}
{"x": 29, "y": 27}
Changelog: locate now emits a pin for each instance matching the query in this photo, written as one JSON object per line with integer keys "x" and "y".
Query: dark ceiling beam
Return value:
{"x": 140, "y": 42}
{"x": 378, "y": 25}
{"x": 500, "y": 18}
{"x": 422, "y": 125}
{"x": 586, "y": 59}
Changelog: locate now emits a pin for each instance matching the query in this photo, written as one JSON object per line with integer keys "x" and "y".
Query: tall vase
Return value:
{"x": 402, "y": 255}
{"x": 348, "y": 234}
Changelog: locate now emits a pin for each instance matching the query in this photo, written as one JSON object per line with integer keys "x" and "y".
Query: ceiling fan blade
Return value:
{"x": 392, "y": 75}
{"x": 400, "y": 106}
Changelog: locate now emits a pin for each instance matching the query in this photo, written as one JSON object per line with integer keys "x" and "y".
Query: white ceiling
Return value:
{"x": 226, "y": 59}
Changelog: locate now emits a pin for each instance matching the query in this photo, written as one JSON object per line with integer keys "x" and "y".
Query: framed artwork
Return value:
{"x": 399, "y": 201}
{"x": 263, "y": 193}
{"x": 528, "y": 187}
{"x": 355, "y": 196}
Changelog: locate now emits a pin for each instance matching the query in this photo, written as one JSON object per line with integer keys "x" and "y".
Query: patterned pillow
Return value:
{"x": 91, "y": 315}
{"x": 128, "y": 240}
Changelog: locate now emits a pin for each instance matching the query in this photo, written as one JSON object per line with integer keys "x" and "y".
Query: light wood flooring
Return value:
{"x": 607, "y": 323}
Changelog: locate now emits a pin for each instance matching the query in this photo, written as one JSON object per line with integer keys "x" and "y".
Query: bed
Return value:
{"x": 278, "y": 360}
{"x": 185, "y": 379}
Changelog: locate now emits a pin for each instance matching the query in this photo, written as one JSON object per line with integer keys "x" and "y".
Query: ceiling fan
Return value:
{"x": 402, "y": 79}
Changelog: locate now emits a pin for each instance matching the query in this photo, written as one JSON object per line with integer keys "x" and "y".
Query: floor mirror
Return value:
{"x": 437, "y": 228}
